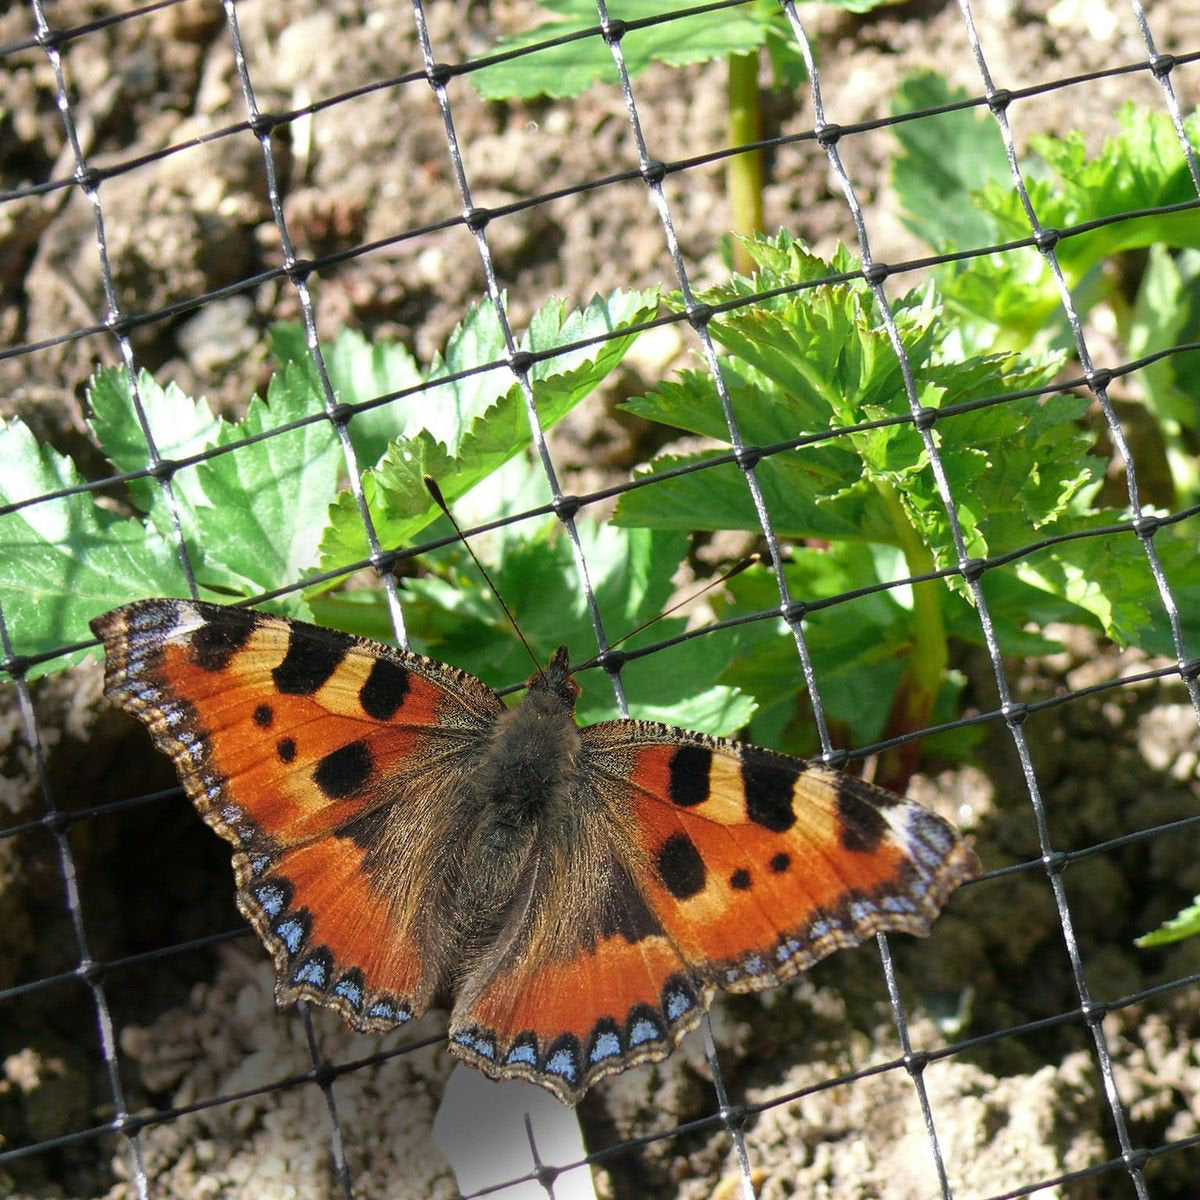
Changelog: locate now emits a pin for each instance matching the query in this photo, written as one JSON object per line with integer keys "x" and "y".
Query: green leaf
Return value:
{"x": 858, "y": 648}
{"x": 251, "y": 518}
{"x": 1142, "y": 166}
{"x": 572, "y": 68}
{"x": 1167, "y": 313}
{"x": 65, "y": 561}
{"x": 1107, "y": 577}
{"x": 821, "y": 359}
{"x": 359, "y": 371}
{"x": 1184, "y": 924}
{"x": 801, "y": 503}
{"x": 266, "y": 502}
{"x": 179, "y": 425}
{"x": 469, "y": 430}
{"x": 944, "y": 159}
{"x": 1012, "y": 291}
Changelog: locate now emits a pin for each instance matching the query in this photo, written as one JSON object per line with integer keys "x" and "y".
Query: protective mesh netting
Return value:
{"x": 92, "y": 1078}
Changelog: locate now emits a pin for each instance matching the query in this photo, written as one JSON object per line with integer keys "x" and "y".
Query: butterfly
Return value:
{"x": 579, "y": 894}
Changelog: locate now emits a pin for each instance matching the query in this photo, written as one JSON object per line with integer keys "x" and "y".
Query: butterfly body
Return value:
{"x": 576, "y": 893}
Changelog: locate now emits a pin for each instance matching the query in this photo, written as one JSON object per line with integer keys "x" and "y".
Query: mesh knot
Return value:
{"x": 654, "y": 172}
{"x": 565, "y": 507}
{"x": 1046, "y": 239}
{"x": 999, "y": 100}
{"x": 614, "y": 30}
{"x": 477, "y": 218}
{"x": 519, "y": 361}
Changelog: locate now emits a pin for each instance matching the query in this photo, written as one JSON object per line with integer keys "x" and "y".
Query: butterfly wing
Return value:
{"x": 756, "y": 864}
{"x": 324, "y": 759}
{"x": 584, "y": 981}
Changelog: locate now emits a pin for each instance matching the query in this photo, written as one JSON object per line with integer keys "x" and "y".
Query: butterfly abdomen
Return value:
{"x": 515, "y": 803}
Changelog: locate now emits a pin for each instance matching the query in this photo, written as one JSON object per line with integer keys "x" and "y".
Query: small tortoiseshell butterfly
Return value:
{"x": 578, "y": 893}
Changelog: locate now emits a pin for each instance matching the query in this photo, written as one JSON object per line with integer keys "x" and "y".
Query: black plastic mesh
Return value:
{"x": 728, "y": 1113}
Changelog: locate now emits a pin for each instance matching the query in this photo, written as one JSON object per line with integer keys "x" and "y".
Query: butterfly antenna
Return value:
{"x": 436, "y": 492}
{"x": 737, "y": 568}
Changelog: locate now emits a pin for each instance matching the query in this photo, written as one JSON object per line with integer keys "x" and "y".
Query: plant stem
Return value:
{"x": 743, "y": 178}
{"x": 927, "y": 660}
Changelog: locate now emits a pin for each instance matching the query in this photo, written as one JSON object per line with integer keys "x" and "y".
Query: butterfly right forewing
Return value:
{"x": 757, "y": 864}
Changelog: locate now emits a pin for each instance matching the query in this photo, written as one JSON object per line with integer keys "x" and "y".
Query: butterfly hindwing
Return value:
{"x": 295, "y": 743}
{"x": 757, "y": 864}
{"x": 564, "y": 1011}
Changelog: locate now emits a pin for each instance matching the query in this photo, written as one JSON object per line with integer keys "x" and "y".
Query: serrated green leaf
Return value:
{"x": 65, "y": 561}
{"x": 479, "y": 440}
{"x": 266, "y": 503}
{"x": 1184, "y": 924}
{"x": 179, "y": 425}
{"x": 1107, "y": 577}
{"x": 396, "y": 497}
{"x": 1013, "y": 290}
{"x": 803, "y": 502}
{"x": 359, "y": 371}
{"x": 822, "y": 359}
{"x": 572, "y": 68}
{"x": 944, "y": 159}
{"x": 252, "y": 518}
{"x": 1142, "y": 166}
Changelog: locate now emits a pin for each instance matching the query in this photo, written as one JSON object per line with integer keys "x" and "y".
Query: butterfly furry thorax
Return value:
{"x": 575, "y": 894}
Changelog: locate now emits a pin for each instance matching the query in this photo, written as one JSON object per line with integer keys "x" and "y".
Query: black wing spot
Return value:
{"x": 344, "y": 770}
{"x": 689, "y": 775}
{"x": 861, "y": 825}
{"x": 217, "y": 641}
{"x": 740, "y": 879}
{"x": 286, "y": 749}
{"x": 780, "y": 862}
{"x": 385, "y": 689}
{"x": 309, "y": 662}
{"x": 680, "y": 866}
{"x": 263, "y": 715}
{"x": 768, "y": 794}
{"x": 625, "y": 911}
{"x": 365, "y": 831}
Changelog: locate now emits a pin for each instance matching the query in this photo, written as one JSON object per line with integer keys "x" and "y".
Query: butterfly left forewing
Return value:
{"x": 323, "y": 759}
{"x": 757, "y": 864}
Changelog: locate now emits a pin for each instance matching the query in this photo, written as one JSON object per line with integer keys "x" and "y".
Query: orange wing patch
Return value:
{"x": 333, "y": 940}
{"x": 758, "y": 865}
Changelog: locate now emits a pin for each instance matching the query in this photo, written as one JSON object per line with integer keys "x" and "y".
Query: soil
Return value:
{"x": 200, "y": 1023}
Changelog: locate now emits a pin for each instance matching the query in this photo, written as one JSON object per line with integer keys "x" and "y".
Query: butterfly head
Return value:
{"x": 556, "y": 680}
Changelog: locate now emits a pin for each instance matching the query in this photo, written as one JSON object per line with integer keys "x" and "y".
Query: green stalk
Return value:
{"x": 927, "y": 661}
{"x": 743, "y": 178}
